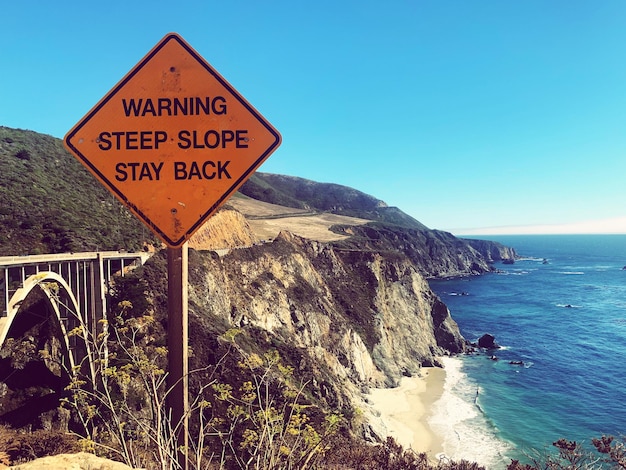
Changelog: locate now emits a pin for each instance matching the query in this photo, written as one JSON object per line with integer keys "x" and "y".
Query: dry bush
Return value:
{"x": 20, "y": 446}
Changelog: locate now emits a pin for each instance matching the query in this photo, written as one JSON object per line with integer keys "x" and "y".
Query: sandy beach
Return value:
{"x": 405, "y": 410}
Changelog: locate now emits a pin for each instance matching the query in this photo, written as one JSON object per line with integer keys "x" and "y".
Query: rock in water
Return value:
{"x": 488, "y": 341}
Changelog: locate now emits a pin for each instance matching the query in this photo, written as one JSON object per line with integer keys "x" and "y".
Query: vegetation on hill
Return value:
{"x": 324, "y": 197}
{"x": 49, "y": 203}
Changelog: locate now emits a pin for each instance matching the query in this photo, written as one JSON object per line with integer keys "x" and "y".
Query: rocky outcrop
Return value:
{"x": 488, "y": 341}
{"x": 79, "y": 461}
{"x": 492, "y": 251}
{"x": 226, "y": 229}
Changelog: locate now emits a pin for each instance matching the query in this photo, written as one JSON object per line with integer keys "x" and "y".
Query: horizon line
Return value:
{"x": 608, "y": 226}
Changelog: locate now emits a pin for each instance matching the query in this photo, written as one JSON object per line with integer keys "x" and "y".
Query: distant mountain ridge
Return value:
{"x": 435, "y": 252}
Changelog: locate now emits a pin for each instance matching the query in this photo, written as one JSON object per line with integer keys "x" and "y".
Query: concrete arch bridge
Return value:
{"x": 74, "y": 288}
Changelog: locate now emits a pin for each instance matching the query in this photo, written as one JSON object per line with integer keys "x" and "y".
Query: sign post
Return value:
{"x": 173, "y": 140}
{"x": 178, "y": 351}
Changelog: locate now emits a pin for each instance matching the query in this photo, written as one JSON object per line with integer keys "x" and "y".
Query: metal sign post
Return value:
{"x": 178, "y": 347}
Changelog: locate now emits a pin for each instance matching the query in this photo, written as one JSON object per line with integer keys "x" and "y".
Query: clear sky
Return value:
{"x": 468, "y": 115}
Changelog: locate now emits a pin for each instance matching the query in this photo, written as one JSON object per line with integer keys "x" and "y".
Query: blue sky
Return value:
{"x": 468, "y": 115}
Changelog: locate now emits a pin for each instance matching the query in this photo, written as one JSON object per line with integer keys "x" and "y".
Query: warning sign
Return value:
{"x": 173, "y": 140}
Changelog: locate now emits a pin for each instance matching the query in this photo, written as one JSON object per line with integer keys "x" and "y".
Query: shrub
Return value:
{"x": 22, "y": 154}
{"x": 19, "y": 446}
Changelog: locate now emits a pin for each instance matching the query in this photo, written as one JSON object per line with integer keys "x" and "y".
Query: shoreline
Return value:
{"x": 405, "y": 410}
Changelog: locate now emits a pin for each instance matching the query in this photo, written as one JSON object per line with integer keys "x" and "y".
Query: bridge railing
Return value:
{"x": 81, "y": 271}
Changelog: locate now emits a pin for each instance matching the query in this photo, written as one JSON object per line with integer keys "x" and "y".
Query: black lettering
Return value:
{"x": 211, "y": 175}
{"x": 180, "y": 171}
{"x": 131, "y": 140}
{"x": 165, "y": 104}
{"x": 180, "y": 106}
{"x": 190, "y": 106}
{"x": 196, "y": 145}
{"x": 118, "y": 137}
{"x": 221, "y": 107}
{"x": 133, "y": 166}
{"x": 227, "y": 136}
{"x": 183, "y": 138}
{"x": 206, "y": 106}
{"x": 207, "y": 141}
{"x": 194, "y": 171}
{"x": 222, "y": 169}
{"x": 241, "y": 139}
{"x": 145, "y": 140}
{"x": 157, "y": 170}
{"x": 120, "y": 169}
{"x": 145, "y": 172}
{"x": 148, "y": 108}
{"x": 131, "y": 106}
{"x": 138, "y": 171}
{"x": 213, "y": 139}
{"x": 208, "y": 170}
{"x": 159, "y": 137}
{"x": 103, "y": 142}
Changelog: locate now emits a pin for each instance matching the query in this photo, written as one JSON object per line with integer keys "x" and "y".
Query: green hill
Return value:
{"x": 49, "y": 203}
{"x": 301, "y": 193}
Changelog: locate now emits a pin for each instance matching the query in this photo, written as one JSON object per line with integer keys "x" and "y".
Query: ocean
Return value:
{"x": 560, "y": 316}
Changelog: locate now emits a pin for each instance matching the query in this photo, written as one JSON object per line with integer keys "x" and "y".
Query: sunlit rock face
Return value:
{"x": 357, "y": 318}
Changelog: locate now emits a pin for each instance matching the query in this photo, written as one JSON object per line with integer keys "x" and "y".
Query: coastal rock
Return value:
{"x": 435, "y": 253}
{"x": 493, "y": 251}
{"x": 488, "y": 341}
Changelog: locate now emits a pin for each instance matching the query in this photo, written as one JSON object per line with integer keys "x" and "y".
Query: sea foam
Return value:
{"x": 457, "y": 417}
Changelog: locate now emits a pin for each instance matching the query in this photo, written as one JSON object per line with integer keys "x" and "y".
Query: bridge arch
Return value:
{"x": 62, "y": 301}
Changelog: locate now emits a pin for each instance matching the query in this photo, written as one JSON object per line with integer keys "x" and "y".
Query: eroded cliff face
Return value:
{"x": 353, "y": 318}
{"x": 225, "y": 229}
{"x": 347, "y": 315}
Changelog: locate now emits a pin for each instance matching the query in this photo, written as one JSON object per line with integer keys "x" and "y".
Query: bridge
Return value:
{"x": 75, "y": 286}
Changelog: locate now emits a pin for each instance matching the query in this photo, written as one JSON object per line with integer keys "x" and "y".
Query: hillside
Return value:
{"x": 305, "y": 194}
{"x": 49, "y": 203}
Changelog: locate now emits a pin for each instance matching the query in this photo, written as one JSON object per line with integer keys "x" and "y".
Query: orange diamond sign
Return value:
{"x": 173, "y": 140}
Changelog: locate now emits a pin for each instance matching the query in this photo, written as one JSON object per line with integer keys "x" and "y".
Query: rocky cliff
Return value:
{"x": 436, "y": 254}
{"x": 345, "y": 319}
{"x": 368, "y": 317}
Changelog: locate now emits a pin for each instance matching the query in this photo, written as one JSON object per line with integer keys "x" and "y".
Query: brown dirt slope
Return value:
{"x": 267, "y": 220}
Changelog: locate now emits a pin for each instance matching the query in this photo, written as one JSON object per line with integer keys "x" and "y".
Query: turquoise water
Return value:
{"x": 565, "y": 319}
